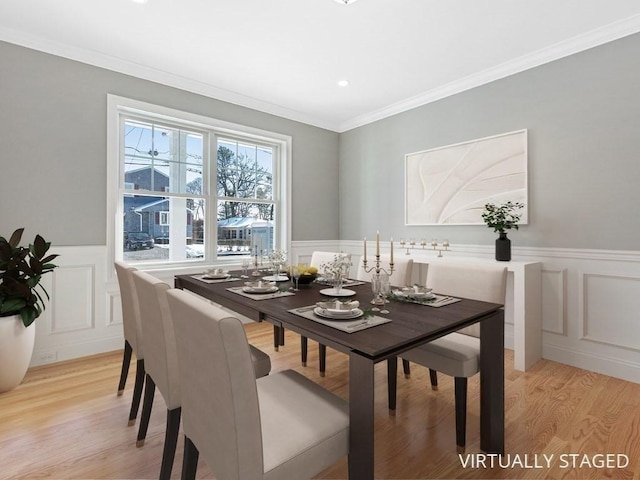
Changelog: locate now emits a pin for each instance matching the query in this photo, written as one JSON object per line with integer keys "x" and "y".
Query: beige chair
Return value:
{"x": 282, "y": 426}
{"x": 319, "y": 259}
{"x": 132, "y": 336}
{"x": 162, "y": 363}
{"x": 458, "y": 354}
{"x": 402, "y": 269}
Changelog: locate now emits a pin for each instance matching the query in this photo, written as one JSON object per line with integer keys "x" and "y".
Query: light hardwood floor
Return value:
{"x": 66, "y": 422}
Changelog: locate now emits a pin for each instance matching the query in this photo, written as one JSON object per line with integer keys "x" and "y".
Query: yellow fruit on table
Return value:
{"x": 312, "y": 270}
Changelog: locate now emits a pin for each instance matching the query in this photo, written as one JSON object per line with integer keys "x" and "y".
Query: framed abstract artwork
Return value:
{"x": 450, "y": 185}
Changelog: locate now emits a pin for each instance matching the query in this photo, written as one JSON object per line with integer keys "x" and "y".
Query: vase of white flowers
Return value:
{"x": 278, "y": 258}
{"x": 337, "y": 270}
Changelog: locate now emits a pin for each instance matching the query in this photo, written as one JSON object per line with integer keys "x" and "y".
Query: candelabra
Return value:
{"x": 376, "y": 284}
{"x": 438, "y": 248}
{"x": 256, "y": 272}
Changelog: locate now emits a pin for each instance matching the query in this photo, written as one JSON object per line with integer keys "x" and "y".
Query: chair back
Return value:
{"x": 402, "y": 269}
{"x": 220, "y": 408}
{"x": 319, "y": 259}
{"x": 160, "y": 362}
{"x": 131, "y": 323}
{"x": 487, "y": 283}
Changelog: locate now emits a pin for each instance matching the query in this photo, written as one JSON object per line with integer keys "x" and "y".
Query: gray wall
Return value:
{"x": 53, "y": 148}
{"x": 583, "y": 118}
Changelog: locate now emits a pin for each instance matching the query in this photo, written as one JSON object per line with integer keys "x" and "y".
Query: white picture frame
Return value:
{"x": 450, "y": 185}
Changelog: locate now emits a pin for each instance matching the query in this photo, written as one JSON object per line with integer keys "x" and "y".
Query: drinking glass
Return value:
{"x": 385, "y": 289}
{"x": 295, "y": 271}
{"x": 246, "y": 263}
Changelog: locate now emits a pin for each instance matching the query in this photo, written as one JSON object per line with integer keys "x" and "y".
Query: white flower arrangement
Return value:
{"x": 278, "y": 257}
{"x": 338, "y": 267}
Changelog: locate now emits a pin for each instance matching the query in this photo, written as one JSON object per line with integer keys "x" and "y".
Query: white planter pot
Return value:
{"x": 16, "y": 348}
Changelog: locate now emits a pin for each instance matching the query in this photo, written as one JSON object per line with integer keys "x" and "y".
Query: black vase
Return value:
{"x": 503, "y": 248}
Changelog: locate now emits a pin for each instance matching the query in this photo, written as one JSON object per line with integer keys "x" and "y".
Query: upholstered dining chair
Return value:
{"x": 280, "y": 426}
{"x": 132, "y": 336}
{"x": 458, "y": 354}
{"x": 319, "y": 260}
{"x": 162, "y": 363}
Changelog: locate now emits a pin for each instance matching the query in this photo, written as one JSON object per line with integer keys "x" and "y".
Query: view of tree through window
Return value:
{"x": 246, "y": 207}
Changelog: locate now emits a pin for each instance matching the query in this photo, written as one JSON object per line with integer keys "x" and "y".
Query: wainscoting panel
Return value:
{"x": 77, "y": 283}
{"x": 554, "y": 314}
{"x": 589, "y": 297}
{"x": 600, "y": 323}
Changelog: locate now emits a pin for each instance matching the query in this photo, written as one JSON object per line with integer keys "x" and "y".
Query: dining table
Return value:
{"x": 406, "y": 326}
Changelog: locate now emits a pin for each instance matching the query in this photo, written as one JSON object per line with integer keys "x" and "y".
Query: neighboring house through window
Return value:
{"x": 200, "y": 189}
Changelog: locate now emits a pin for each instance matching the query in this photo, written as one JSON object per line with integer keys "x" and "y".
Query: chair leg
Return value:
{"x": 322, "y": 354}
{"x": 170, "y": 443}
{"x": 461, "y": 412}
{"x": 147, "y": 403}
{"x": 304, "y": 346}
{"x": 392, "y": 381}
{"x": 189, "y": 460}
{"x": 137, "y": 391}
{"x": 433, "y": 376}
{"x": 406, "y": 367}
{"x": 124, "y": 372}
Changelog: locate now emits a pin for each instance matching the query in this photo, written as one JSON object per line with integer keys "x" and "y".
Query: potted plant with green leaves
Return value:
{"x": 22, "y": 300}
{"x": 502, "y": 218}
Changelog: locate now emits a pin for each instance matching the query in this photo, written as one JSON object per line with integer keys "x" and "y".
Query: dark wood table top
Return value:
{"x": 411, "y": 324}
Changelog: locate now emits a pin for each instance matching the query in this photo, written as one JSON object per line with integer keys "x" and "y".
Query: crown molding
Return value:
{"x": 120, "y": 65}
{"x": 594, "y": 38}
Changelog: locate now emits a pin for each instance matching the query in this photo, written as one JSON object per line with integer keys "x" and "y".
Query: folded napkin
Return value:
{"x": 349, "y": 326}
{"x": 260, "y": 296}
{"x": 214, "y": 280}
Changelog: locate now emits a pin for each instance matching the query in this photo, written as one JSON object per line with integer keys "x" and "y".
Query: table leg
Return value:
{"x": 492, "y": 383}
{"x": 392, "y": 382}
{"x": 361, "y": 417}
{"x": 276, "y": 337}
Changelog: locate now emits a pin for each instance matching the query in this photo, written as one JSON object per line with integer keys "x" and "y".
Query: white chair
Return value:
{"x": 282, "y": 426}
{"x": 402, "y": 269}
{"x": 458, "y": 354}
{"x": 162, "y": 362}
{"x": 132, "y": 336}
{"x": 319, "y": 260}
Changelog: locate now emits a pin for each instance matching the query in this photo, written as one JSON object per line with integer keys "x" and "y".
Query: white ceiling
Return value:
{"x": 286, "y": 56}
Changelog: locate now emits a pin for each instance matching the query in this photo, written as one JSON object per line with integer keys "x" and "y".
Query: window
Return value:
{"x": 191, "y": 189}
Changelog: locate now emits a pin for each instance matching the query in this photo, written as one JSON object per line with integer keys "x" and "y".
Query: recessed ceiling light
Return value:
{"x": 346, "y": 2}
{"x": 139, "y": 1}
{"x": 343, "y": 83}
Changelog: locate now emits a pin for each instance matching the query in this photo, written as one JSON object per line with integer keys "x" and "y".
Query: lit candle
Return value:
{"x": 365, "y": 250}
{"x": 378, "y": 243}
{"x": 391, "y": 255}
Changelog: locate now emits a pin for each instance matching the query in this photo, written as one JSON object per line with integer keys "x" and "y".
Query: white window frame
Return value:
{"x": 118, "y": 106}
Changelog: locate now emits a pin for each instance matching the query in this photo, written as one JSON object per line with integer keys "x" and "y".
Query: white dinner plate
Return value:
{"x": 215, "y": 276}
{"x": 324, "y": 313}
{"x": 343, "y": 292}
{"x": 271, "y": 289}
{"x": 276, "y": 278}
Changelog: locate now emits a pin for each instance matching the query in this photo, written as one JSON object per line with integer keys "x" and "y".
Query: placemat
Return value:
{"x": 215, "y": 280}
{"x": 349, "y": 326}
{"x": 437, "y": 301}
{"x": 260, "y": 296}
